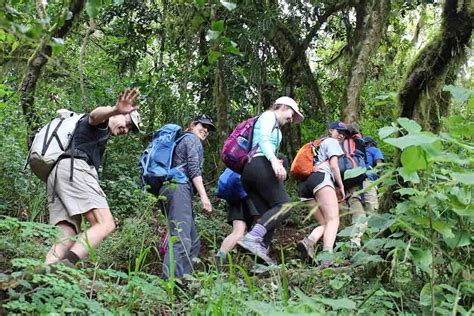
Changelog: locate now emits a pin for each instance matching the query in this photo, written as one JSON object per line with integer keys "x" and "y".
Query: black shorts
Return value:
{"x": 244, "y": 210}
{"x": 307, "y": 186}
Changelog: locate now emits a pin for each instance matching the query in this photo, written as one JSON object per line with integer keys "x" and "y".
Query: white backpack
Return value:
{"x": 51, "y": 142}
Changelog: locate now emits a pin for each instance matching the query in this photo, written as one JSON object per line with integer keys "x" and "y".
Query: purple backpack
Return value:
{"x": 237, "y": 147}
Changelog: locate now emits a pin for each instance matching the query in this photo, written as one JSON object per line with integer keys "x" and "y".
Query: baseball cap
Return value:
{"x": 297, "y": 117}
{"x": 340, "y": 126}
{"x": 136, "y": 120}
{"x": 206, "y": 120}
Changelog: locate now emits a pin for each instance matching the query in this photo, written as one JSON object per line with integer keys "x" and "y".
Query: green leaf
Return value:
{"x": 408, "y": 176}
{"x": 463, "y": 177}
{"x": 218, "y": 26}
{"x": 341, "y": 303}
{"x": 409, "y": 125}
{"x": 414, "y": 158}
{"x": 229, "y": 5}
{"x": 118, "y": 2}
{"x": 233, "y": 50}
{"x": 468, "y": 211}
{"x": 460, "y": 94}
{"x": 197, "y": 21}
{"x": 387, "y": 131}
{"x": 93, "y": 7}
{"x": 460, "y": 239}
{"x": 213, "y": 56}
{"x": 407, "y": 191}
{"x": 353, "y": 173}
{"x": 412, "y": 140}
{"x": 422, "y": 259}
{"x": 200, "y": 2}
{"x": 212, "y": 35}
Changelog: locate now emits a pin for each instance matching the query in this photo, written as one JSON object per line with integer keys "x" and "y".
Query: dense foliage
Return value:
{"x": 230, "y": 60}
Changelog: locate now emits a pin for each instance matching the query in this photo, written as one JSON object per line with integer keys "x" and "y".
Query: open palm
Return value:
{"x": 125, "y": 101}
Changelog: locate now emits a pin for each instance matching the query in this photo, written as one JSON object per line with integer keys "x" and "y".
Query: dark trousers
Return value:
{"x": 267, "y": 193}
{"x": 179, "y": 212}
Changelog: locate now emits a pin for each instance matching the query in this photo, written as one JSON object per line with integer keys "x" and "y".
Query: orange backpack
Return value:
{"x": 302, "y": 165}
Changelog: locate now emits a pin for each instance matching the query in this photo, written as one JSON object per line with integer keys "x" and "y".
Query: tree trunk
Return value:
{"x": 220, "y": 102}
{"x": 37, "y": 61}
{"x": 371, "y": 20}
{"x": 430, "y": 69}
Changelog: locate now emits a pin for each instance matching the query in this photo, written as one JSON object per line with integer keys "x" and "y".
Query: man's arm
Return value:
{"x": 124, "y": 105}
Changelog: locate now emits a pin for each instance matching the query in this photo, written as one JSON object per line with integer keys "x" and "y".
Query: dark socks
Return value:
{"x": 71, "y": 257}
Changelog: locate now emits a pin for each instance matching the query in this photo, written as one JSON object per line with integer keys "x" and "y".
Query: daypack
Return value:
{"x": 354, "y": 156}
{"x": 156, "y": 160}
{"x": 237, "y": 147}
{"x": 303, "y": 164}
{"x": 229, "y": 186}
{"x": 51, "y": 141}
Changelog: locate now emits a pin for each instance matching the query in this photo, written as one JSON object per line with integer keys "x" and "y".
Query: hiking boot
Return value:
{"x": 255, "y": 245}
{"x": 306, "y": 248}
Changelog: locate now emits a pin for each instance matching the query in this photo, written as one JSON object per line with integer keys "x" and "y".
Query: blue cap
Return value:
{"x": 340, "y": 126}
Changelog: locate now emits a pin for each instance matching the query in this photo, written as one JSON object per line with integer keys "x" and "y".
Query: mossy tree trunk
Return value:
{"x": 420, "y": 97}
{"x": 38, "y": 60}
{"x": 371, "y": 21}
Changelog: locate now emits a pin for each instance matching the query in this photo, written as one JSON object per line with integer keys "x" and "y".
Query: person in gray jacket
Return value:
{"x": 178, "y": 206}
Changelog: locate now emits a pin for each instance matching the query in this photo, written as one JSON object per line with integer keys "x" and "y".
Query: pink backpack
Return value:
{"x": 237, "y": 147}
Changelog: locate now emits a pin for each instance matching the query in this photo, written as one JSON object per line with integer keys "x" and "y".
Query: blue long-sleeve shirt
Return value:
{"x": 267, "y": 134}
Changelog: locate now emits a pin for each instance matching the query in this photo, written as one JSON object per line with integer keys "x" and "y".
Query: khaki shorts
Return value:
{"x": 73, "y": 198}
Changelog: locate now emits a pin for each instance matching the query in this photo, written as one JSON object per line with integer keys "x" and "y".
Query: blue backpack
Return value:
{"x": 155, "y": 162}
{"x": 230, "y": 187}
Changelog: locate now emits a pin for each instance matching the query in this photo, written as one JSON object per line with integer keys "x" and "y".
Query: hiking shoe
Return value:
{"x": 67, "y": 263}
{"x": 325, "y": 264}
{"x": 220, "y": 261}
{"x": 306, "y": 248}
{"x": 255, "y": 245}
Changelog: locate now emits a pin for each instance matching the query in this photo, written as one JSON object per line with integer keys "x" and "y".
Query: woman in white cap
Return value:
{"x": 264, "y": 174}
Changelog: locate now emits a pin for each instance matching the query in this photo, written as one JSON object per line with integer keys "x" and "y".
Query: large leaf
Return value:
{"x": 387, "y": 131}
{"x": 409, "y": 125}
{"x": 422, "y": 259}
{"x": 412, "y": 140}
{"x": 341, "y": 303}
{"x": 408, "y": 176}
{"x": 353, "y": 173}
{"x": 460, "y": 94}
{"x": 463, "y": 177}
{"x": 229, "y": 5}
{"x": 460, "y": 239}
{"x": 414, "y": 158}
{"x": 407, "y": 191}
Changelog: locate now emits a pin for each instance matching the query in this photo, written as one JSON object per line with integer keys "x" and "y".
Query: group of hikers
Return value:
{"x": 257, "y": 202}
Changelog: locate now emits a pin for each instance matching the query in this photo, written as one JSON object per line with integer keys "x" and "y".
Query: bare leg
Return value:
{"x": 237, "y": 233}
{"x": 102, "y": 225}
{"x": 330, "y": 210}
{"x": 59, "y": 249}
{"x": 318, "y": 232}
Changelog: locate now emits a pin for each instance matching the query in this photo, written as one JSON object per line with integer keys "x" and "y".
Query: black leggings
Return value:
{"x": 266, "y": 192}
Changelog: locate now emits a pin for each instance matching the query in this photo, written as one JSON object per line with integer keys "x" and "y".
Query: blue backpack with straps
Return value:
{"x": 229, "y": 186}
{"x": 156, "y": 161}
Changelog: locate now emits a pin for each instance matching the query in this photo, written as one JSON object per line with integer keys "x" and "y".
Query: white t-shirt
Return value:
{"x": 329, "y": 147}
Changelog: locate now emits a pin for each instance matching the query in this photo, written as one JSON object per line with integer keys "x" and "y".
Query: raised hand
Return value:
{"x": 125, "y": 101}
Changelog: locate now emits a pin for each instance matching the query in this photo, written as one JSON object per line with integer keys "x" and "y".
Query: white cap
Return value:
{"x": 297, "y": 117}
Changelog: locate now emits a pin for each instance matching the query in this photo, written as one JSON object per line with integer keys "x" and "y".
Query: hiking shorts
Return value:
{"x": 315, "y": 182}
{"x": 68, "y": 200}
{"x": 243, "y": 210}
